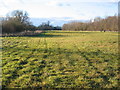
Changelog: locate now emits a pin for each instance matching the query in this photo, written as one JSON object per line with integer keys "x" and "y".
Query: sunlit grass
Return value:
{"x": 61, "y": 59}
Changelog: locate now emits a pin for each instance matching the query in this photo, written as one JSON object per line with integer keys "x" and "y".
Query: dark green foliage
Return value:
{"x": 47, "y": 26}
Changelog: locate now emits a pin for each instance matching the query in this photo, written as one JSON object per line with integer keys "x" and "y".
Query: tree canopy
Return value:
{"x": 109, "y": 23}
{"x": 18, "y": 20}
{"x": 15, "y": 21}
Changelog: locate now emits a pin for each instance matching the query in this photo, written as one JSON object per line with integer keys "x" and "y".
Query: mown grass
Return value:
{"x": 61, "y": 59}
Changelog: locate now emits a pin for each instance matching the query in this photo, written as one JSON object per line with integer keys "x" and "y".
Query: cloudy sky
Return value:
{"x": 62, "y": 10}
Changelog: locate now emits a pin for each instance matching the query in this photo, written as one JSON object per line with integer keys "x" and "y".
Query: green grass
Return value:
{"x": 61, "y": 59}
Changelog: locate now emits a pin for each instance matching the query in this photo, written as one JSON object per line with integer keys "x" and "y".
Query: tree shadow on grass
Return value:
{"x": 82, "y": 32}
{"x": 46, "y": 35}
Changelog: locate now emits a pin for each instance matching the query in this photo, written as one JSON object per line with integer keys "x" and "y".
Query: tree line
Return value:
{"x": 18, "y": 21}
{"x": 47, "y": 26}
{"x": 15, "y": 21}
{"x": 109, "y": 23}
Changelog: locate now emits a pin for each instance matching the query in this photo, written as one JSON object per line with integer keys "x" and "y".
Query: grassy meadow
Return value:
{"x": 61, "y": 59}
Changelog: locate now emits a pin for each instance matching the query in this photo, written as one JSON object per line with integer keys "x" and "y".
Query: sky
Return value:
{"x": 61, "y": 11}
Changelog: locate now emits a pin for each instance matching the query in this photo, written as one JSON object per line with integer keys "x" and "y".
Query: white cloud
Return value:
{"x": 52, "y": 8}
{"x": 62, "y": 10}
{"x": 113, "y": 0}
{"x": 10, "y": 5}
{"x": 52, "y": 3}
{"x": 55, "y": 2}
{"x": 59, "y": 3}
{"x": 99, "y": 0}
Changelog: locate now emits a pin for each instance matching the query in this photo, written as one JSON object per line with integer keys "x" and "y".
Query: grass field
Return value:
{"x": 61, "y": 59}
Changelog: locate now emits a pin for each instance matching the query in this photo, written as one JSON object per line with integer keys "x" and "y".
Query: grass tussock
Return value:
{"x": 61, "y": 59}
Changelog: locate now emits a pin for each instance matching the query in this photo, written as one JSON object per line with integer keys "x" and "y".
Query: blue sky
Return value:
{"x": 62, "y": 10}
